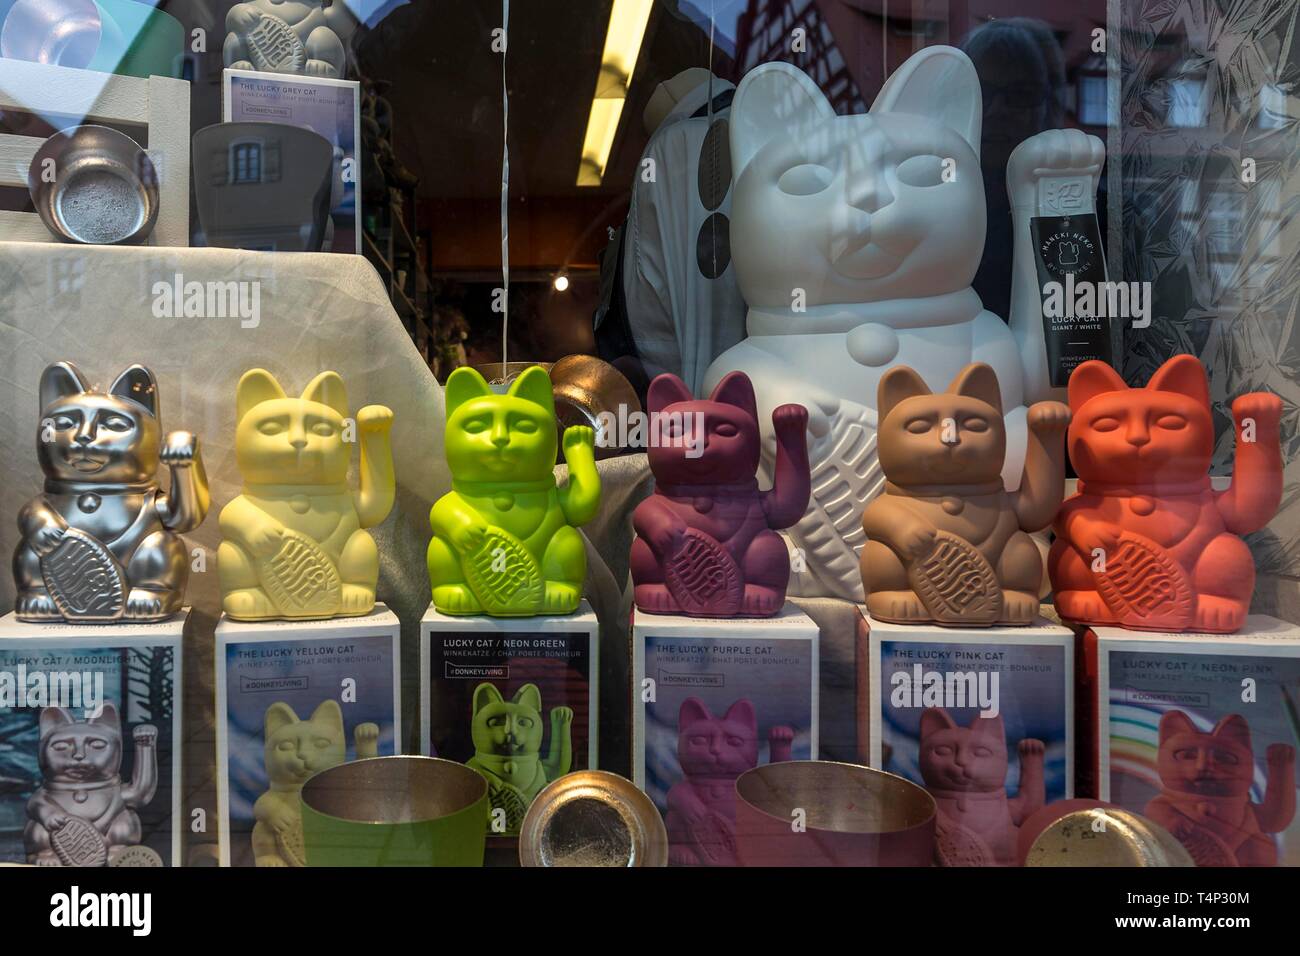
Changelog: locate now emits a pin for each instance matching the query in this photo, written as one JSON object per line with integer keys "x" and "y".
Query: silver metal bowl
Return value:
{"x": 592, "y": 818}
{"x": 92, "y": 184}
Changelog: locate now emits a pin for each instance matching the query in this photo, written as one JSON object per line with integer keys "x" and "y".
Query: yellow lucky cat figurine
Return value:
{"x": 294, "y": 545}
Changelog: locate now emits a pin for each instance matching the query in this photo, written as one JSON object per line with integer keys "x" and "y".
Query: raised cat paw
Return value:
{"x": 36, "y": 606}
{"x": 1048, "y": 417}
{"x": 375, "y": 418}
{"x": 560, "y": 597}
{"x": 561, "y": 717}
{"x": 455, "y": 599}
{"x": 180, "y": 448}
{"x": 366, "y": 739}
{"x": 1029, "y": 747}
{"x": 1280, "y": 755}
{"x": 1263, "y": 408}
{"x": 790, "y": 419}
{"x": 146, "y": 735}
{"x": 578, "y": 436}
{"x": 356, "y": 599}
{"x": 1056, "y": 153}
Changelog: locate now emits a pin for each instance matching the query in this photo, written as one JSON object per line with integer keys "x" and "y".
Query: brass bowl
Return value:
{"x": 592, "y": 818}
{"x": 103, "y": 189}
{"x": 1106, "y": 836}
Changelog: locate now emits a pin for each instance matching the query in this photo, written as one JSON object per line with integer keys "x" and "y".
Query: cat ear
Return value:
{"x": 1175, "y": 722}
{"x": 1234, "y": 728}
{"x": 138, "y": 384}
{"x": 935, "y": 719}
{"x": 329, "y": 710}
{"x": 980, "y": 382}
{"x": 534, "y": 385}
{"x": 1183, "y": 375}
{"x": 59, "y": 381}
{"x": 485, "y": 694}
{"x": 938, "y": 82}
{"x": 257, "y": 385}
{"x": 278, "y": 715}
{"x": 666, "y": 389}
{"x": 737, "y": 390}
{"x": 53, "y": 718}
{"x": 463, "y": 384}
{"x": 775, "y": 99}
{"x": 898, "y": 383}
{"x": 107, "y": 715}
{"x": 692, "y": 711}
{"x": 327, "y": 389}
{"x": 742, "y": 711}
{"x": 1090, "y": 379}
{"x": 530, "y": 697}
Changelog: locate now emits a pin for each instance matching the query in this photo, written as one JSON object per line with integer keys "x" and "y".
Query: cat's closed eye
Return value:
{"x": 272, "y": 426}
{"x": 804, "y": 179}
{"x": 477, "y": 424}
{"x": 1105, "y": 424}
{"x": 975, "y": 424}
{"x": 918, "y": 426}
{"x": 117, "y": 423}
{"x": 726, "y": 430}
{"x": 524, "y": 426}
{"x": 64, "y": 421}
{"x": 921, "y": 171}
{"x": 983, "y": 752}
{"x": 1171, "y": 422}
{"x": 322, "y": 742}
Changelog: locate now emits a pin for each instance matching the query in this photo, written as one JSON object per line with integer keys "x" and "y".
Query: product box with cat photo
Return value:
{"x": 983, "y": 719}
{"x": 294, "y": 698}
{"x": 713, "y": 698}
{"x": 90, "y": 716}
{"x": 1199, "y": 734}
{"x": 515, "y": 698}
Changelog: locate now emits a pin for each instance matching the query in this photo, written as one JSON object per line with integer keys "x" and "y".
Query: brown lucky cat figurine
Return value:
{"x": 946, "y": 543}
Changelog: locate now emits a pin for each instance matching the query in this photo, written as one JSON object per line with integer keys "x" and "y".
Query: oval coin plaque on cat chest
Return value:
{"x": 84, "y": 579}
{"x": 301, "y": 578}
{"x": 505, "y": 577}
{"x": 78, "y": 843}
{"x": 703, "y": 577}
{"x": 274, "y": 47}
{"x": 957, "y": 585}
{"x": 1145, "y": 586}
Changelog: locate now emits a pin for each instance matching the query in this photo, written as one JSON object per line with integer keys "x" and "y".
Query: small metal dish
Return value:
{"x": 592, "y": 818}
{"x": 1106, "y": 836}
{"x": 94, "y": 185}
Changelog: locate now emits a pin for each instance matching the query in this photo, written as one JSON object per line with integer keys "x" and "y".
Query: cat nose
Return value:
{"x": 299, "y": 443}
{"x": 1138, "y": 434}
{"x": 867, "y": 191}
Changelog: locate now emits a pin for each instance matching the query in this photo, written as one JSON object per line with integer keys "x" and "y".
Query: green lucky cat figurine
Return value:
{"x": 504, "y": 541}
{"x": 507, "y": 751}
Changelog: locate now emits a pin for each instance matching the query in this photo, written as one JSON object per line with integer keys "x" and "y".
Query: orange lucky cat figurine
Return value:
{"x": 1147, "y": 543}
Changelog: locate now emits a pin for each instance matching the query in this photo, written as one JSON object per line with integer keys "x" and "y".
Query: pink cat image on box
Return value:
{"x": 1205, "y": 801}
{"x": 713, "y": 752}
{"x": 965, "y": 770}
{"x": 706, "y": 541}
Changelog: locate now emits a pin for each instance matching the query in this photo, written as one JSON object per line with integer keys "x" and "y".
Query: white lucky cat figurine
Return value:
{"x": 855, "y": 240}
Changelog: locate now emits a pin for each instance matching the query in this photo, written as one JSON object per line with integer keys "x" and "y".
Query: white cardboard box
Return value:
{"x": 471, "y": 649}
{"x": 1031, "y": 669}
{"x": 1152, "y": 686}
{"x": 138, "y": 668}
{"x": 353, "y": 662}
{"x": 771, "y": 662}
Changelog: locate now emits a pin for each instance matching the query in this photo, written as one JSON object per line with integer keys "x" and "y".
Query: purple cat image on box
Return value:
{"x": 706, "y": 541}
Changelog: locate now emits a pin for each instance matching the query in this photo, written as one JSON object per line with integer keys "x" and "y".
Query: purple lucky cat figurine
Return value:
{"x": 706, "y": 541}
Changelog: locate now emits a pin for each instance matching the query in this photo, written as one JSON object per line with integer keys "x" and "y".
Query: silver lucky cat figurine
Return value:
{"x": 103, "y": 542}
{"x": 83, "y": 814}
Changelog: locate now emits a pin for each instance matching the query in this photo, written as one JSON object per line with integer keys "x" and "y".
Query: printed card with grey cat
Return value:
{"x": 290, "y": 705}
{"x": 89, "y": 752}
